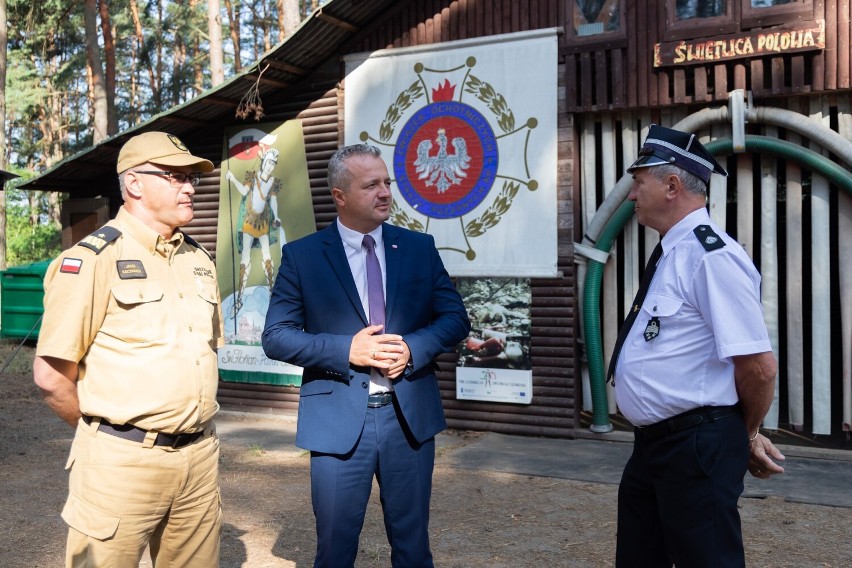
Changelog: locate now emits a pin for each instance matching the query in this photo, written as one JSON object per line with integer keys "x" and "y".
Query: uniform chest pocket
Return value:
{"x": 661, "y": 306}
{"x": 657, "y": 323}
{"x": 131, "y": 293}
{"x": 139, "y": 314}
{"x": 206, "y": 290}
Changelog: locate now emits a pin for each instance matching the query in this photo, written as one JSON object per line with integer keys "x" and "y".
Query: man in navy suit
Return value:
{"x": 369, "y": 402}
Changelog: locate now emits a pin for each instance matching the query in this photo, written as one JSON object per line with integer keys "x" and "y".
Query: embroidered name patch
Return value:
{"x": 70, "y": 265}
{"x": 202, "y": 272}
{"x": 130, "y": 269}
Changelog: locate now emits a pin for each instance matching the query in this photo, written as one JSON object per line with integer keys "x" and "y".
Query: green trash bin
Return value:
{"x": 22, "y": 300}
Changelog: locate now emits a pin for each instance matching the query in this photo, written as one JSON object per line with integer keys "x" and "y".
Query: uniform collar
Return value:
{"x": 145, "y": 235}
{"x": 683, "y": 228}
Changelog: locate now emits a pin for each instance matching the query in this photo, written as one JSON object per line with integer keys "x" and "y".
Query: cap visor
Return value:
{"x": 646, "y": 162}
{"x": 185, "y": 160}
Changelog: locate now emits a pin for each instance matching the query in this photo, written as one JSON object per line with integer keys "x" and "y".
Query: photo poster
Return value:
{"x": 494, "y": 361}
{"x": 468, "y": 132}
{"x": 264, "y": 202}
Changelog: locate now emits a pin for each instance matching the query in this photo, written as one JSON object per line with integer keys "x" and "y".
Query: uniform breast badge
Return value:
{"x": 652, "y": 330}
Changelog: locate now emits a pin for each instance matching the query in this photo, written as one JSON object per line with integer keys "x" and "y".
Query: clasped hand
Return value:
{"x": 386, "y": 352}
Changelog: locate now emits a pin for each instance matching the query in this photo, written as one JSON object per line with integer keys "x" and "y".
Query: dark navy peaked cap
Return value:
{"x": 666, "y": 146}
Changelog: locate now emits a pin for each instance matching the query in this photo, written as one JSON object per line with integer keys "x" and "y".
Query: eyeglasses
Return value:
{"x": 177, "y": 179}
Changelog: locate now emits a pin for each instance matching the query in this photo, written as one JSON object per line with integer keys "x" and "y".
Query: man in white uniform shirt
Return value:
{"x": 694, "y": 372}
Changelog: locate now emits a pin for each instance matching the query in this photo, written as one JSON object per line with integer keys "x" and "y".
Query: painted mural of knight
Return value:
{"x": 258, "y": 221}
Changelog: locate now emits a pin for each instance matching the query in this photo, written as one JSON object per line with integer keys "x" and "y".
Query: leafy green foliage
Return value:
{"x": 28, "y": 242}
{"x": 49, "y": 113}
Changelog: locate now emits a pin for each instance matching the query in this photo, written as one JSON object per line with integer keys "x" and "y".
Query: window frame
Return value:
{"x": 701, "y": 27}
{"x": 801, "y": 10}
{"x": 739, "y": 16}
{"x": 605, "y": 40}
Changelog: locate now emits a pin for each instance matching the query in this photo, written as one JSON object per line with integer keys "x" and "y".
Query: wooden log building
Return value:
{"x": 622, "y": 65}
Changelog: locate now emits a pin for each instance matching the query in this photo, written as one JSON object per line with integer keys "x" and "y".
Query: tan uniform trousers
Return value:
{"x": 125, "y": 495}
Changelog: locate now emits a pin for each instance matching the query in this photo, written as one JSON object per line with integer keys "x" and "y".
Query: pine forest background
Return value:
{"x": 73, "y": 72}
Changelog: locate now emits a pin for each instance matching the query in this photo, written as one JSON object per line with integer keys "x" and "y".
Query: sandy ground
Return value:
{"x": 480, "y": 519}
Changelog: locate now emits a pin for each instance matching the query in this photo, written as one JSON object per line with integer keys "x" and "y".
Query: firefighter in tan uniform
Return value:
{"x": 127, "y": 355}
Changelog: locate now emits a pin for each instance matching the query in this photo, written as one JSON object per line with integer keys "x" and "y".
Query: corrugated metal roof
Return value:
{"x": 319, "y": 38}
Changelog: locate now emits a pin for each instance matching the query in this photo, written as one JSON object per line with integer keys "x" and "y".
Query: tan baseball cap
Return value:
{"x": 159, "y": 148}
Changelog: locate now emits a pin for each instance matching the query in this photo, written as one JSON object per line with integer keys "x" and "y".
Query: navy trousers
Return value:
{"x": 677, "y": 501}
{"x": 341, "y": 486}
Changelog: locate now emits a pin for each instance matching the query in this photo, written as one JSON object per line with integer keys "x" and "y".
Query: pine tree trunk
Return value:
{"x": 281, "y": 33}
{"x": 234, "y": 27}
{"x": 214, "y": 29}
{"x": 93, "y": 56}
{"x": 144, "y": 57}
{"x": 292, "y": 17}
{"x": 3, "y": 44}
{"x": 109, "y": 67}
{"x": 54, "y": 208}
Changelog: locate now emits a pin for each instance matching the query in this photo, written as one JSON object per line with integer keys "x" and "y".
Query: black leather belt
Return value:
{"x": 688, "y": 419}
{"x": 379, "y": 399}
{"x": 134, "y": 434}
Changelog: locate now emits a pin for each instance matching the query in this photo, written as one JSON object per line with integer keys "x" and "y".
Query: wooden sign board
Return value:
{"x": 756, "y": 44}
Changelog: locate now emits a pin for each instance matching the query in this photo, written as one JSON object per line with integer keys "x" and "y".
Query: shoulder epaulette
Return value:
{"x": 708, "y": 238}
{"x": 195, "y": 243}
{"x": 99, "y": 240}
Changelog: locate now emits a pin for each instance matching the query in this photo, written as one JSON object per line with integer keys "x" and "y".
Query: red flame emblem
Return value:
{"x": 444, "y": 92}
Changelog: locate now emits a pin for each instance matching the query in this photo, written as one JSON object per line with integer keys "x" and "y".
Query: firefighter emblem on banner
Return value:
{"x": 467, "y": 150}
{"x": 435, "y": 172}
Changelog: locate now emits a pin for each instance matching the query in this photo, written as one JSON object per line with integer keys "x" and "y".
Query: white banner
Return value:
{"x": 494, "y": 385}
{"x": 468, "y": 131}
{"x": 252, "y": 359}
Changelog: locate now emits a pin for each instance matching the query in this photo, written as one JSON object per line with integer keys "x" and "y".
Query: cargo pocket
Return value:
{"x": 88, "y": 519}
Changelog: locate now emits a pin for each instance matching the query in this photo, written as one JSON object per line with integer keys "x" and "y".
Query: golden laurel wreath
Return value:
{"x": 399, "y": 106}
{"x": 400, "y": 218}
{"x": 495, "y": 211}
{"x": 495, "y": 101}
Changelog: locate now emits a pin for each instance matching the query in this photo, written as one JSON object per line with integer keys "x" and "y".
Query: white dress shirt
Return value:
{"x": 708, "y": 307}
{"x": 356, "y": 254}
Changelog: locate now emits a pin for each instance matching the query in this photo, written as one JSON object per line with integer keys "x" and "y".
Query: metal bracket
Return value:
{"x": 590, "y": 252}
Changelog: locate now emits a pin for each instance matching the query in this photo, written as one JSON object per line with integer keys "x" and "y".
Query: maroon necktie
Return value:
{"x": 650, "y": 269}
{"x": 375, "y": 288}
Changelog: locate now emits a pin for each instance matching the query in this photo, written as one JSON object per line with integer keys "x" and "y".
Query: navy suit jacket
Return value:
{"x": 315, "y": 310}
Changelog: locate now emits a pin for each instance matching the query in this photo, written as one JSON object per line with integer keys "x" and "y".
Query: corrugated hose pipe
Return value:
{"x": 818, "y": 163}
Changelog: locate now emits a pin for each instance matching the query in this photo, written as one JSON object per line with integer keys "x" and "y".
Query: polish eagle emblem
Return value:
{"x": 444, "y": 169}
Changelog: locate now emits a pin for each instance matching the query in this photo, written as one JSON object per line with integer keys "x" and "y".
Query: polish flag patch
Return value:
{"x": 71, "y": 265}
